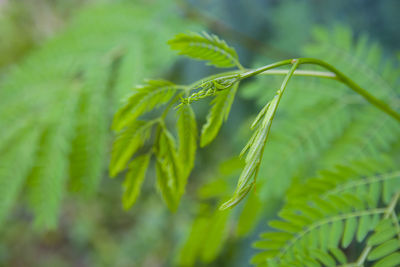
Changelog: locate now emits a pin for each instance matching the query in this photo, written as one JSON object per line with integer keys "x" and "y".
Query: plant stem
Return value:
{"x": 355, "y": 87}
{"x": 252, "y": 73}
{"x": 338, "y": 76}
{"x": 306, "y": 73}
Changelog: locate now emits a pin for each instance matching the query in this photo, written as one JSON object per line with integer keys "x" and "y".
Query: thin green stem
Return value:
{"x": 305, "y": 73}
{"x": 339, "y": 76}
{"x": 355, "y": 87}
{"x": 252, "y": 73}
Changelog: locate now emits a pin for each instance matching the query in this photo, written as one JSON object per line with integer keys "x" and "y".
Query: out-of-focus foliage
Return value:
{"x": 322, "y": 218}
{"x": 56, "y": 105}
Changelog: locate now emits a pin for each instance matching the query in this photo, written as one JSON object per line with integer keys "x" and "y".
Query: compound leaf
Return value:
{"x": 205, "y": 47}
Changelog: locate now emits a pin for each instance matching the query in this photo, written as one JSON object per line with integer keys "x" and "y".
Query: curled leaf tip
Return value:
{"x": 236, "y": 198}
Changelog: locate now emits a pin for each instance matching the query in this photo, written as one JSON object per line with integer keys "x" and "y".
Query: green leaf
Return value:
{"x": 126, "y": 144}
{"x": 165, "y": 184}
{"x": 216, "y": 233}
{"x": 14, "y": 167}
{"x": 324, "y": 236}
{"x": 169, "y": 169}
{"x": 324, "y": 257}
{"x": 279, "y": 236}
{"x": 193, "y": 245}
{"x": 237, "y": 197}
{"x": 260, "y": 115}
{"x": 218, "y": 114}
{"x": 250, "y": 215}
{"x": 254, "y": 154}
{"x": 363, "y": 227}
{"x": 381, "y": 236}
{"x": 389, "y": 261}
{"x": 47, "y": 181}
{"x": 134, "y": 179}
{"x": 268, "y": 244}
{"x": 284, "y": 226}
{"x": 339, "y": 255}
{"x": 187, "y": 137}
{"x": 144, "y": 99}
{"x": 205, "y": 47}
{"x": 349, "y": 231}
{"x": 384, "y": 249}
{"x": 166, "y": 150}
{"x": 335, "y": 234}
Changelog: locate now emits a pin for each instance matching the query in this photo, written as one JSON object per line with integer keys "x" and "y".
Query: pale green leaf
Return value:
{"x": 187, "y": 137}
{"x": 14, "y": 167}
{"x": 166, "y": 151}
{"x": 216, "y": 233}
{"x": 166, "y": 184}
{"x": 144, "y": 99}
{"x": 237, "y": 197}
{"x": 218, "y": 114}
{"x": 128, "y": 141}
{"x": 134, "y": 179}
{"x": 193, "y": 245}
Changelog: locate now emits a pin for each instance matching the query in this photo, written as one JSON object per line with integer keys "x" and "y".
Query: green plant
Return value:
{"x": 57, "y": 104}
{"x": 143, "y": 137}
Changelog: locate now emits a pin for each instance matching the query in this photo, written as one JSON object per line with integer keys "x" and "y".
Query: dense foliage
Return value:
{"x": 314, "y": 160}
{"x": 337, "y": 207}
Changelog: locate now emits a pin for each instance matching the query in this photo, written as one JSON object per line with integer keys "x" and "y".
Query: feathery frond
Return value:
{"x": 205, "y": 47}
{"x": 56, "y": 104}
{"x": 324, "y": 216}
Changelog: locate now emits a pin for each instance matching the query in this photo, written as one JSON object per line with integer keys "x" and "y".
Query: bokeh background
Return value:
{"x": 49, "y": 48}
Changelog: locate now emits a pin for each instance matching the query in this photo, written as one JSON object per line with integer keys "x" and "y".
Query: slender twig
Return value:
{"x": 339, "y": 76}
{"x": 353, "y": 86}
{"x": 307, "y": 73}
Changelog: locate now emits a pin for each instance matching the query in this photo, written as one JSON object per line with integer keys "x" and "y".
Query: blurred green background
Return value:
{"x": 51, "y": 51}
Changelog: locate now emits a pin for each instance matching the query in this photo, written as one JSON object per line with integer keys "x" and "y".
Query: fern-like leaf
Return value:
{"x": 144, "y": 98}
{"x": 49, "y": 175}
{"x": 127, "y": 143}
{"x": 63, "y": 141}
{"x": 336, "y": 209}
{"x": 205, "y": 47}
{"x": 254, "y": 149}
